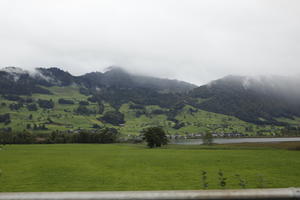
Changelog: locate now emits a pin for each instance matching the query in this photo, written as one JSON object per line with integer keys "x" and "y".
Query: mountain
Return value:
{"x": 48, "y": 99}
{"x": 258, "y": 100}
{"x": 17, "y": 81}
{"x": 118, "y": 77}
{"x": 28, "y": 82}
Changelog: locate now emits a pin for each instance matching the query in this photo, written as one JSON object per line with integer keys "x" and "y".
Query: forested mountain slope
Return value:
{"x": 52, "y": 99}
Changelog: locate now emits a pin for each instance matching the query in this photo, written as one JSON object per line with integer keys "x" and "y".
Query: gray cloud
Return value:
{"x": 191, "y": 40}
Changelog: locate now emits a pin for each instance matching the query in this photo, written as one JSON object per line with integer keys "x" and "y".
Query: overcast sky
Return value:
{"x": 191, "y": 40}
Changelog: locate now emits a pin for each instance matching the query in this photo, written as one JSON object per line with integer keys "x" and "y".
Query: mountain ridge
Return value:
{"x": 257, "y": 100}
{"x": 115, "y": 76}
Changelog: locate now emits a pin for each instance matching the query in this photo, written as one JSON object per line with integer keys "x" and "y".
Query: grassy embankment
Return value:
{"x": 91, "y": 167}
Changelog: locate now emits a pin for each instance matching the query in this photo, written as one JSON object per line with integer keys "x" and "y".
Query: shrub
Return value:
{"x": 222, "y": 179}
{"x": 204, "y": 180}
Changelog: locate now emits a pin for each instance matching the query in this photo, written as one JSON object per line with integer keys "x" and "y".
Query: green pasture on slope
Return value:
{"x": 64, "y": 117}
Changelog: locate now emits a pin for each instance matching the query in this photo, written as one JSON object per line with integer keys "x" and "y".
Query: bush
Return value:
{"x": 155, "y": 137}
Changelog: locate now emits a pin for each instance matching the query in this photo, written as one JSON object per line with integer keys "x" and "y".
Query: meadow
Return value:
{"x": 118, "y": 167}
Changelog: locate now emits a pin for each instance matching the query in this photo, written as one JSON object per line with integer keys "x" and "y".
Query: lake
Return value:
{"x": 234, "y": 140}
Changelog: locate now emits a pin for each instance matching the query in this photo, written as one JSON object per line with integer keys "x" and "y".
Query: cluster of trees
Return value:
{"x": 171, "y": 113}
{"x": 102, "y": 136}
{"x": 29, "y": 103}
{"x": 5, "y": 118}
{"x": 11, "y": 97}
{"x": 15, "y": 106}
{"x": 83, "y": 110}
{"x": 105, "y": 135}
{"x": 117, "y": 96}
{"x": 291, "y": 131}
{"x": 36, "y": 127}
{"x": 65, "y": 101}
{"x": 113, "y": 117}
{"x": 32, "y": 107}
{"x": 47, "y": 104}
{"x": 23, "y": 137}
{"x": 84, "y": 103}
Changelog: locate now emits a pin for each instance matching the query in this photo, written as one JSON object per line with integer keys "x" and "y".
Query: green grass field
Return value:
{"x": 98, "y": 167}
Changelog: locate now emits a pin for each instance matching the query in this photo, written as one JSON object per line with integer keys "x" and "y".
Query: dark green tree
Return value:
{"x": 155, "y": 137}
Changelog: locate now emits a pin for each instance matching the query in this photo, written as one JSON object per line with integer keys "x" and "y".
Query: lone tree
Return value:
{"x": 207, "y": 139}
{"x": 155, "y": 137}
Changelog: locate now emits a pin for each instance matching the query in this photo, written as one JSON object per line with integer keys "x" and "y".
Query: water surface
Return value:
{"x": 234, "y": 140}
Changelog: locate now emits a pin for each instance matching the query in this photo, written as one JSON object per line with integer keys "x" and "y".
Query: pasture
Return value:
{"x": 118, "y": 167}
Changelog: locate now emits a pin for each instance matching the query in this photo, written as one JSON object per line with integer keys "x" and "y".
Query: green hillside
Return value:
{"x": 64, "y": 117}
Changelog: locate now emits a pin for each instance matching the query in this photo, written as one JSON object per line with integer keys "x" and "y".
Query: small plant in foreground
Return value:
{"x": 242, "y": 182}
{"x": 260, "y": 181}
{"x": 204, "y": 180}
{"x": 222, "y": 179}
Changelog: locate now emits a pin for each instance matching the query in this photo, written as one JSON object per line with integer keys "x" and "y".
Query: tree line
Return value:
{"x": 105, "y": 135}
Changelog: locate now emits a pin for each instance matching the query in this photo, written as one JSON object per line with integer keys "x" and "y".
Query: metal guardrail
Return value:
{"x": 248, "y": 194}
